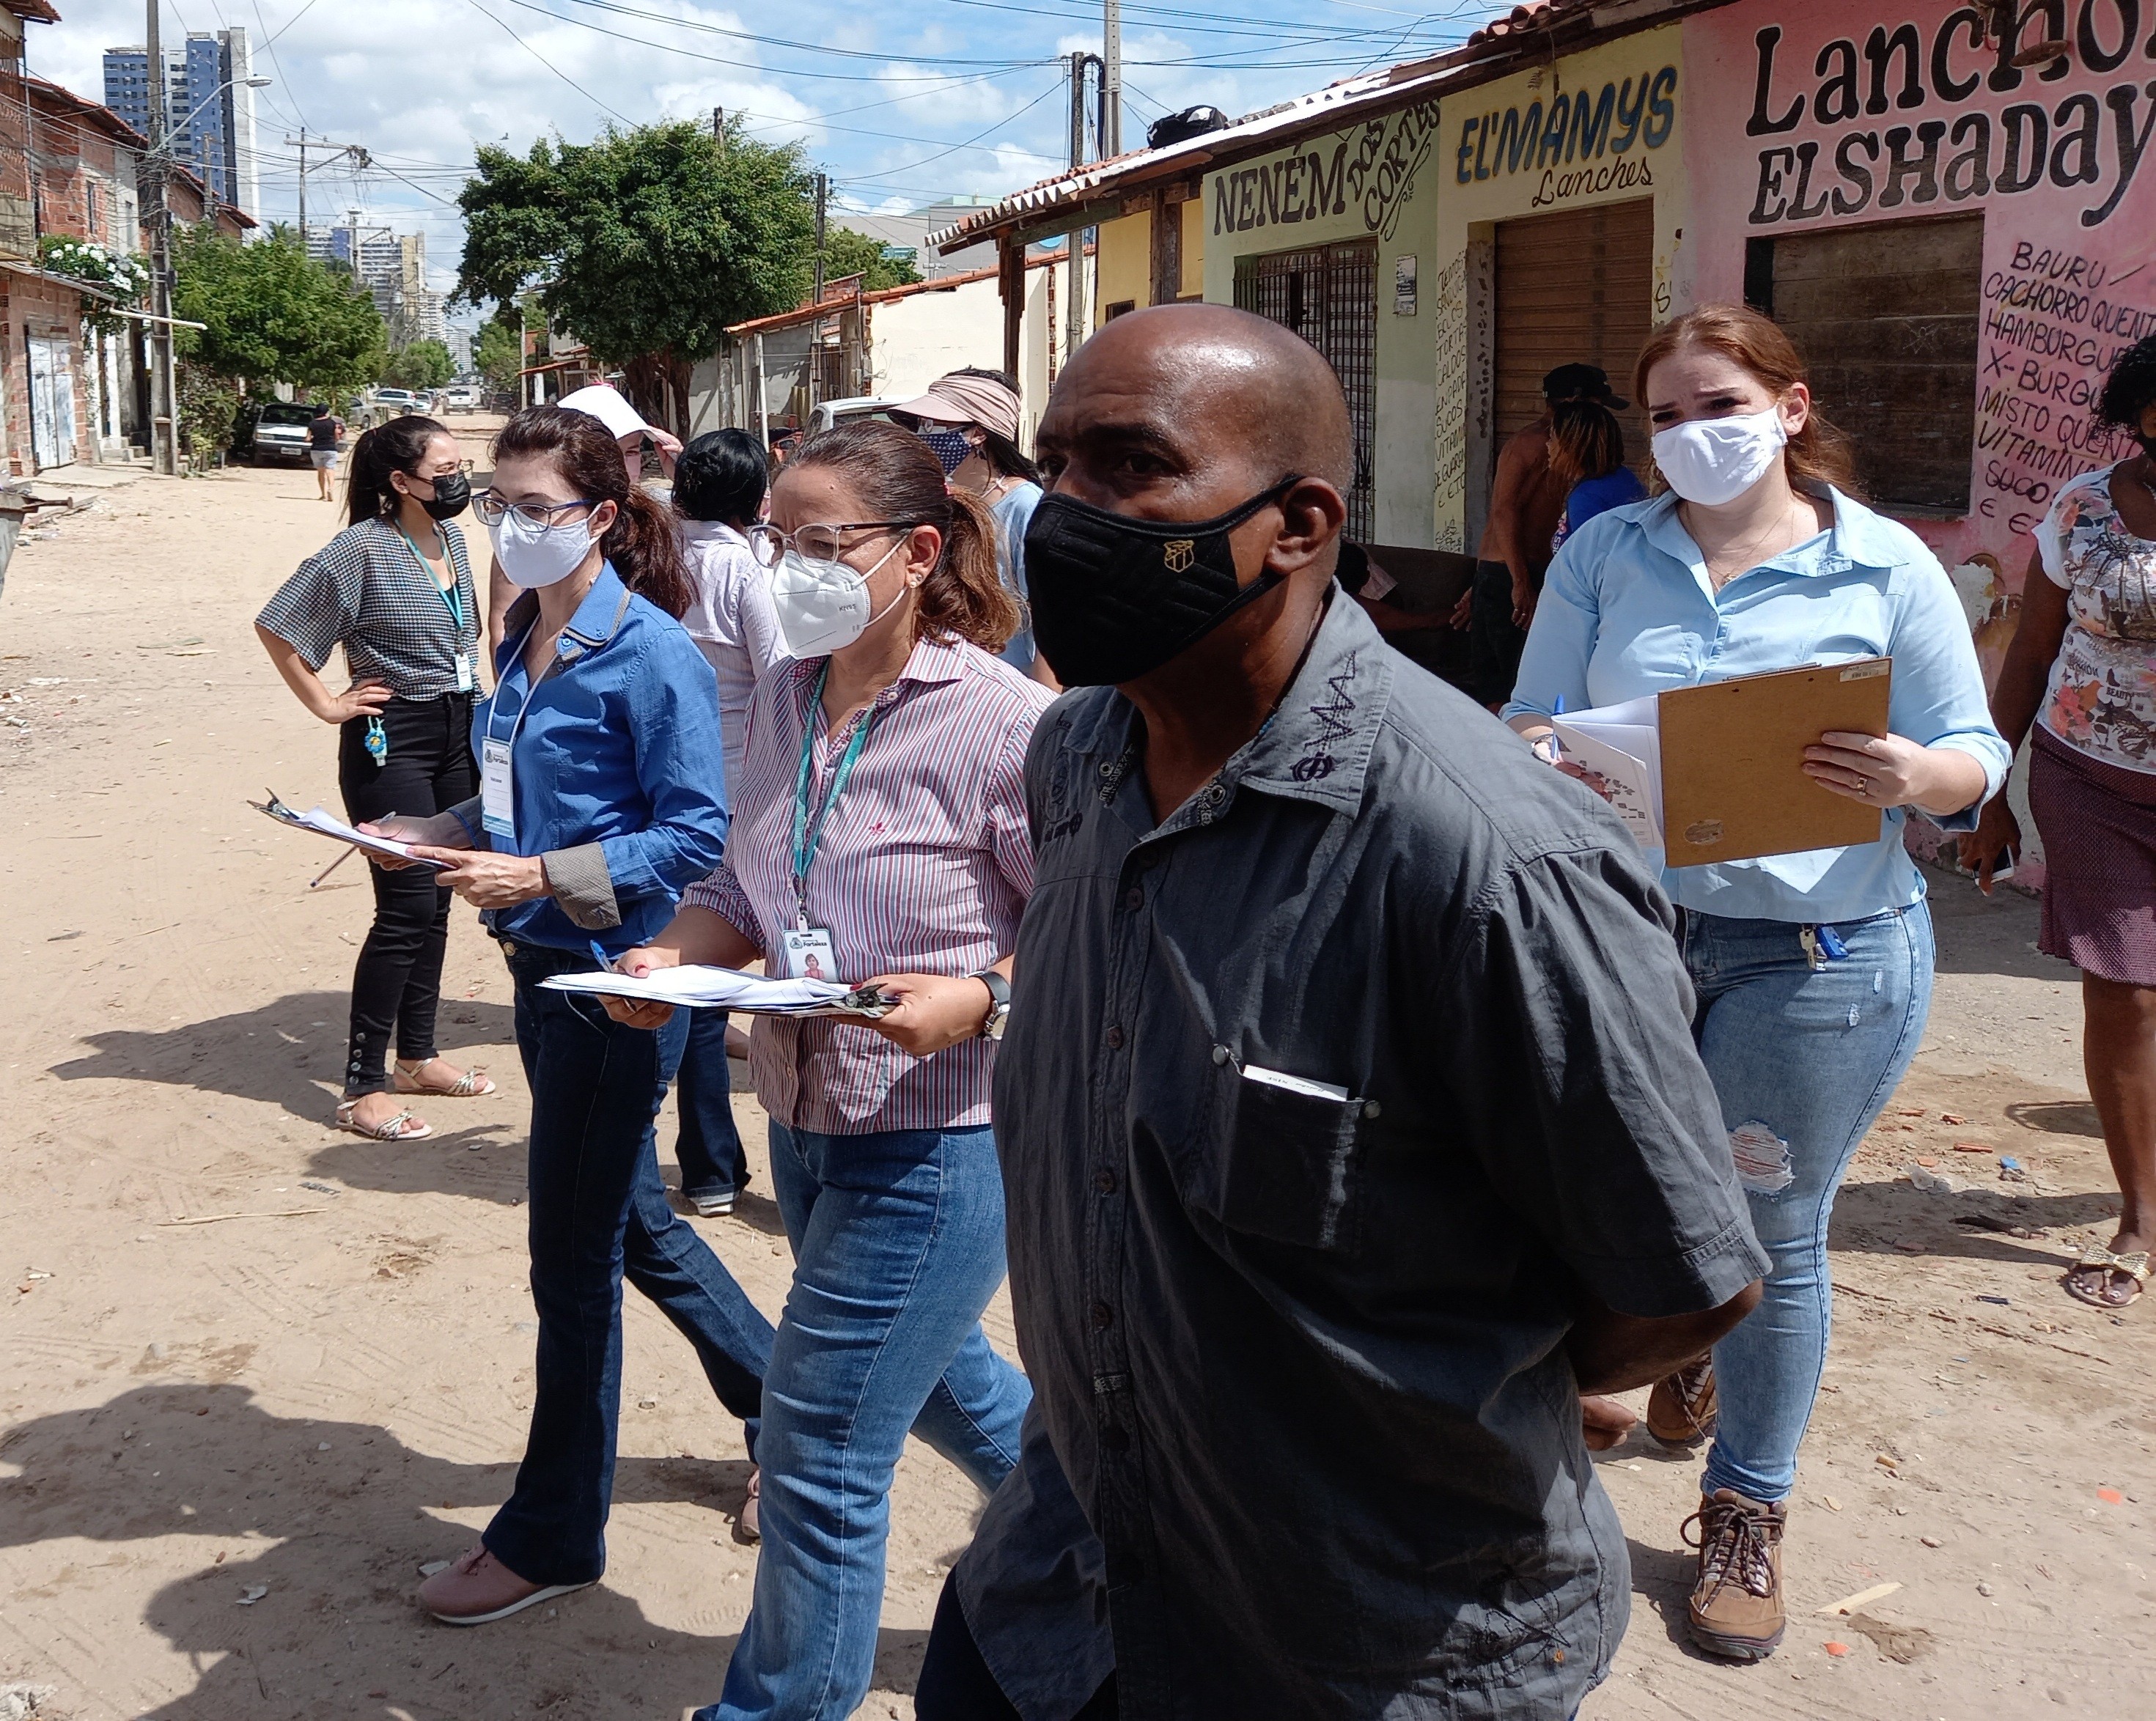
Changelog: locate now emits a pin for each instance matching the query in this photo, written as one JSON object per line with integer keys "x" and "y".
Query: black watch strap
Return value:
{"x": 998, "y": 987}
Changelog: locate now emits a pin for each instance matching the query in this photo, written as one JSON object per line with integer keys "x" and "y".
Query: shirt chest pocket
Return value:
{"x": 1280, "y": 1157}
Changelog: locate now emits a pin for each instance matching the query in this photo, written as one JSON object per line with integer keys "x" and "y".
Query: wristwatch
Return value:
{"x": 998, "y": 1002}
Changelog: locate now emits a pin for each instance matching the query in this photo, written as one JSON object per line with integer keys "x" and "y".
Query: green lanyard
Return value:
{"x": 808, "y": 834}
{"x": 454, "y": 599}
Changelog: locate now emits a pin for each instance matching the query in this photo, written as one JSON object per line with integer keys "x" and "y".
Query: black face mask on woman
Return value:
{"x": 452, "y": 496}
{"x": 1114, "y": 597}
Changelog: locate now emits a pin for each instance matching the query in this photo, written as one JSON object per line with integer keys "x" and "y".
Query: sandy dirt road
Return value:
{"x": 194, "y": 1408}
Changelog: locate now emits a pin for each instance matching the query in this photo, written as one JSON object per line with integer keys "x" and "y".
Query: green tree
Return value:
{"x": 424, "y": 364}
{"x": 848, "y": 253}
{"x": 645, "y": 242}
{"x": 273, "y": 313}
{"x": 499, "y": 353}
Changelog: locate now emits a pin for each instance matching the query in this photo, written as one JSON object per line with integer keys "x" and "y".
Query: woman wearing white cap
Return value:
{"x": 969, "y": 419}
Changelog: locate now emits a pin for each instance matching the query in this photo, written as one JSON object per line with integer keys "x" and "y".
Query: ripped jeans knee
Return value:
{"x": 1762, "y": 1157}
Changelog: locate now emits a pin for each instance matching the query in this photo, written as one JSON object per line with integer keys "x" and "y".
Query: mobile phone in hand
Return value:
{"x": 2002, "y": 864}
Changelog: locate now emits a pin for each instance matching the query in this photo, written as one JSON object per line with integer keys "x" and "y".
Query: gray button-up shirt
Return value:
{"x": 1320, "y": 1100}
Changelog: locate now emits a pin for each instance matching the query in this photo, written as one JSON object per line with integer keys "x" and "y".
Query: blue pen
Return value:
{"x": 598, "y": 950}
{"x": 1557, "y": 747}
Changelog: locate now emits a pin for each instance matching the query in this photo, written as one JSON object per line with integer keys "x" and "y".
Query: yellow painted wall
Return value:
{"x": 1479, "y": 183}
{"x": 1125, "y": 263}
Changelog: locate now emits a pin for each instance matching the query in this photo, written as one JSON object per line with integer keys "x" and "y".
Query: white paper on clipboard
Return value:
{"x": 1623, "y": 745}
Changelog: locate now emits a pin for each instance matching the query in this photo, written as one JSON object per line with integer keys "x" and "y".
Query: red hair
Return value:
{"x": 1819, "y": 454}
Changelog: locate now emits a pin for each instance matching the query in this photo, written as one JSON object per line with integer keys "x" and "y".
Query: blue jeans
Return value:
{"x": 898, "y": 1245}
{"x": 713, "y": 1161}
{"x": 598, "y": 1213}
{"x": 1802, "y": 1059}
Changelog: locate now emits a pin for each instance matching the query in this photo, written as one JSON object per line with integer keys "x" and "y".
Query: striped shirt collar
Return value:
{"x": 932, "y": 660}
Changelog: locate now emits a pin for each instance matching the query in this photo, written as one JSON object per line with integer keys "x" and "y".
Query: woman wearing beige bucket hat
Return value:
{"x": 970, "y": 420}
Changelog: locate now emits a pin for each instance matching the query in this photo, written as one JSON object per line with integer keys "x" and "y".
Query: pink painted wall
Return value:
{"x": 1808, "y": 115}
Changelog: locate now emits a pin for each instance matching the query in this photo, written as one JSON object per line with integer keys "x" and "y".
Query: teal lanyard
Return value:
{"x": 808, "y": 834}
{"x": 454, "y": 599}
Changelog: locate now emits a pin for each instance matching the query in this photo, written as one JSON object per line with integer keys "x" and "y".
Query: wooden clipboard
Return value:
{"x": 1733, "y": 784}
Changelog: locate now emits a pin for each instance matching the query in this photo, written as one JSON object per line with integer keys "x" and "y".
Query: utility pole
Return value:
{"x": 164, "y": 392}
{"x": 816, "y": 350}
{"x": 357, "y": 151}
{"x": 719, "y": 128}
{"x": 1111, "y": 77}
{"x": 1074, "y": 313}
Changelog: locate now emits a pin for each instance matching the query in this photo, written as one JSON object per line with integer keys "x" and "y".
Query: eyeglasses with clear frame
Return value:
{"x": 820, "y": 541}
{"x": 491, "y": 507}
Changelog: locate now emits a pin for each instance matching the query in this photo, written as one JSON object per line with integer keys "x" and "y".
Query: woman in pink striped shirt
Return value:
{"x": 879, "y": 832}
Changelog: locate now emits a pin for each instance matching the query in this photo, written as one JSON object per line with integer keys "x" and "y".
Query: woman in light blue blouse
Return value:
{"x": 1813, "y": 970}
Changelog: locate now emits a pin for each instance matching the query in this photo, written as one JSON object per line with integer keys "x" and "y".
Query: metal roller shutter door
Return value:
{"x": 1328, "y": 294}
{"x": 1576, "y": 287}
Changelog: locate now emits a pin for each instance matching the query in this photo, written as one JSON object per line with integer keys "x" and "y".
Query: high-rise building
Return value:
{"x": 392, "y": 267}
{"x": 209, "y": 110}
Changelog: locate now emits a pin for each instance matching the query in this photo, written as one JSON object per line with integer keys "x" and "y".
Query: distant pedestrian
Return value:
{"x": 325, "y": 435}
{"x": 2080, "y": 681}
{"x": 970, "y": 421}
{"x": 1813, "y": 971}
{"x": 719, "y": 485}
{"x": 394, "y": 589}
{"x": 1527, "y": 502}
{"x": 1587, "y": 453}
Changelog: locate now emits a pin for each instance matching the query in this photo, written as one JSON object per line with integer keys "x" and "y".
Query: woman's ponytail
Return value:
{"x": 965, "y": 594}
{"x": 397, "y": 446}
{"x": 645, "y": 546}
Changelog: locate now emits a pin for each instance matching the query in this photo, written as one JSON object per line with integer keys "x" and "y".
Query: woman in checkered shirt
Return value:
{"x": 394, "y": 589}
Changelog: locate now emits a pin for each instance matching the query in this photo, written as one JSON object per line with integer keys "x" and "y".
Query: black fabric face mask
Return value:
{"x": 452, "y": 496}
{"x": 1114, "y": 597}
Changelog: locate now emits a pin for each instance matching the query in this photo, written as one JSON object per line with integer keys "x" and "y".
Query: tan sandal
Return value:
{"x": 473, "y": 1085}
{"x": 2132, "y": 1266}
{"x": 403, "y": 1127}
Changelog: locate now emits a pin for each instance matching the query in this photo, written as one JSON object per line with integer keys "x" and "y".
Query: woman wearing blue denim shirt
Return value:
{"x": 1813, "y": 970}
{"x": 602, "y": 798}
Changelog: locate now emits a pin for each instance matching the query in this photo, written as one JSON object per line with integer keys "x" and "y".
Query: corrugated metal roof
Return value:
{"x": 1336, "y": 104}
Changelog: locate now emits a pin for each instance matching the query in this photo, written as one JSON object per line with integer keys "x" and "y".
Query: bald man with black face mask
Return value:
{"x": 1350, "y": 1120}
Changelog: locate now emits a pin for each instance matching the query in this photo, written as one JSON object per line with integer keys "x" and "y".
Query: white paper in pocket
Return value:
{"x": 1293, "y": 1084}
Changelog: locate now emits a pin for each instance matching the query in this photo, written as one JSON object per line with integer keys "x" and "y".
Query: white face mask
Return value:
{"x": 1710, "y": 461}
{"x": 823, "y": 606}
{"x": 539, "y": 556}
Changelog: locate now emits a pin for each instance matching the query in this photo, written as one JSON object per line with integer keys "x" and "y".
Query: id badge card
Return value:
{"x": 497, "y": 795}
{"x": 467, "y": 676}
{"x": 806, "y": 951}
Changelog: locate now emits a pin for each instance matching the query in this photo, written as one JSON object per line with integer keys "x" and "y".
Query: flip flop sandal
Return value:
{"x": 403, "y": 1127}
{"x": 473, "y": 1083}
{"x": 2096, "y": 1258}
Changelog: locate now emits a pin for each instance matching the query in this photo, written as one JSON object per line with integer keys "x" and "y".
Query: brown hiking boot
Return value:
{"x": 1737, "y": 1610}
{"x": 1682, "y": 1408}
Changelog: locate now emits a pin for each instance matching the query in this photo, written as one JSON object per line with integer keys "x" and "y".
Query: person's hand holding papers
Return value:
{"x": 933, "y": 1011}
{"x": 440, "y": 832}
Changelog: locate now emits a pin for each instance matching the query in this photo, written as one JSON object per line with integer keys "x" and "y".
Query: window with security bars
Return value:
{"x": 1328, "y": 294}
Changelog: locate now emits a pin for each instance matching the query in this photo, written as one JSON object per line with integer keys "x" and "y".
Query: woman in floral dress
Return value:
{"x": 2082, "y": 671}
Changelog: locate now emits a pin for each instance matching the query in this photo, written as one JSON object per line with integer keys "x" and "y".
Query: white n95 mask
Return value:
{"x": 823, "y": 606}
{"x": 1710, "y": 461}
{"x": 533, "y": 555}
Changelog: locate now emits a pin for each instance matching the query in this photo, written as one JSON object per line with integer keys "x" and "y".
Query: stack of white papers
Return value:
{"x": 697, "y": 987}
{"x": 1623, "y": 745}
{"x": 327, "y": 824}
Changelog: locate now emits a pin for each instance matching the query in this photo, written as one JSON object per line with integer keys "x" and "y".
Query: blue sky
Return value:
{"x": 900, "y": 105}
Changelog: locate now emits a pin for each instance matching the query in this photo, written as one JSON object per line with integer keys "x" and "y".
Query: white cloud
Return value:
{"x": 421, "y": 83}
